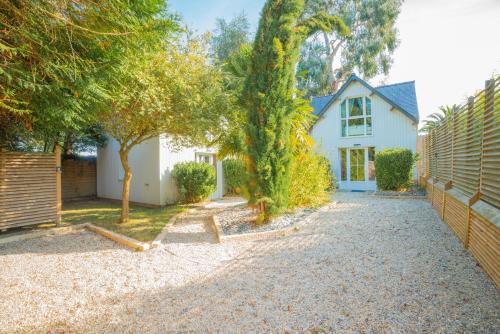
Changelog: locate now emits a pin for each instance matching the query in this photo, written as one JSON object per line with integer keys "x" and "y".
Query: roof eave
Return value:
{"x": 354, "y": 77}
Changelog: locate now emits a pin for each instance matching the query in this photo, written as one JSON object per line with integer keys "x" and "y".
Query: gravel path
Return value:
{"x": 241, "y": 219}
{"x": 369, "y": 265}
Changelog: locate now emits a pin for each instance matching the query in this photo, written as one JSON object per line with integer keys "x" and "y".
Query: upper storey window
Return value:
{"x": 356, "y": 117}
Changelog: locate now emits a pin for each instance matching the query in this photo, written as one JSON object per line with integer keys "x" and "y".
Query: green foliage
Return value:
{"x": 229, "y": 36}
{"x": 312, "y": 69}
{"x": 195, "y": 181}
{"x": 173, "y": 91}
{"x": 311, "y": 180}
{"x": 269, "y": 90}
{"x": 445, "y": 114}
{"x": 393, "y": 168}
{"x": 332, "y": 182}
{"x": 234, "y": 175}
{"x": 56, "y": 59}
{"x": 231, "y": 142}
{"x": 328, "y": 58}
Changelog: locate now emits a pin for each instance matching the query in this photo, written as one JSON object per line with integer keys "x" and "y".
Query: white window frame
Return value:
{"x": 200, "y": 155}
{"x": 347, "y": 117}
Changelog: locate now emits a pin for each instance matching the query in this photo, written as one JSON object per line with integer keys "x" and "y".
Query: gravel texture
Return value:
{"x": 412, "y": 191}
{"x": 368, "y": 265}
{"x": 241, "y": 219}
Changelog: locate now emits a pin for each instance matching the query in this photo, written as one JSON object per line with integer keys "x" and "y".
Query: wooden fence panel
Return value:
{"x": 28, "y": 189}
{"x": 463, "y": 175}
{"x": 79, "y": 179}
{"x": 490, "y": 167}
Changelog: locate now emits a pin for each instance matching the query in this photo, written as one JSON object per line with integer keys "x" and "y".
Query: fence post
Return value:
{"x": 57, "y": 152}
{"x": 472, "y": 200}
{"x": 489, "y": 102}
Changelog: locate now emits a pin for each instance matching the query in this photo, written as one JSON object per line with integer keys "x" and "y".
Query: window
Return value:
{"x": 204, "y": 157}
{"x": 356, "y": 117}
{"x": 357, "y": 160}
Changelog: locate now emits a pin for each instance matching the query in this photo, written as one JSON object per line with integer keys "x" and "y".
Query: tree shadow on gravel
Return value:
{"x": 75, "y": 242}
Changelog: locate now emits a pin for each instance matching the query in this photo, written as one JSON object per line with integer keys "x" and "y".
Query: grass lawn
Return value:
{"x": 144, "y": 225}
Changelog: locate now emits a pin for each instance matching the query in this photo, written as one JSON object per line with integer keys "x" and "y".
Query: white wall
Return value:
{"x": 151, "y": 163}
{"x": 144, "y": 163}
{"x": 390, "y": 128}
{"x": 169, "y": 156}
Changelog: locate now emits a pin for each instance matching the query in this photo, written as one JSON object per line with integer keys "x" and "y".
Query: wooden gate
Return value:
{"x": 30, "y": 186}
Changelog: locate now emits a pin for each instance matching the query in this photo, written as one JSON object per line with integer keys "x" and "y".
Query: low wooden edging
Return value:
{"x": 119, "y": 238}
{"x": 264, "y": 234}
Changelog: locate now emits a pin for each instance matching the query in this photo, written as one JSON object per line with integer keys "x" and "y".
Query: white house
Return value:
{"x": 151, "y": 162}
{"x": 360, "y": 120}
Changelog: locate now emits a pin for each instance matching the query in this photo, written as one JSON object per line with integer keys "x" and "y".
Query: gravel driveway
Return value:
{"x": 369, "y": 265}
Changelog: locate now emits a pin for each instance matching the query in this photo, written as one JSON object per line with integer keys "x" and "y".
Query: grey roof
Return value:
{"x": 318, "y": 103}
{"x": 401, "y": 96}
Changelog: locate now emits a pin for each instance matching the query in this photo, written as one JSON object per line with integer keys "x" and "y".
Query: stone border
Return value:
{"x": 221, "y": 237}
{"x": 26, "y": 235}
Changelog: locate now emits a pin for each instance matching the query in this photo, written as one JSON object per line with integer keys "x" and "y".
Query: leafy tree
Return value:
{"x": 445, "y": 114}
{"x": 231, "y": 142}
{"x": 269, "y": 92}
{"x": 172, "y": 91}
{"x": 55, "y": 57}
{"x": 368, "y": 49}
{"x": 229, "y": 36}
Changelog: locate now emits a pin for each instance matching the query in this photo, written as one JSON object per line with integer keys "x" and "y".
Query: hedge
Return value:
{"x": 195, "y": 181}
{"x": 393, "y": 168}
{"x": 234, "y": 175}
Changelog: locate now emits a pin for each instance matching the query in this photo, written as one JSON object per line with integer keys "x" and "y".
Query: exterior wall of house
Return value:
{"x": 151, "y": 163}
{"x": 390, "y": 128}
{"x": 145, "y": 165}
{"x": 169, "y": 156}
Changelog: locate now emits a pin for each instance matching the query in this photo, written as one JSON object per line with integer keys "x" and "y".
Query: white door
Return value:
{"x": 357, "y": 171}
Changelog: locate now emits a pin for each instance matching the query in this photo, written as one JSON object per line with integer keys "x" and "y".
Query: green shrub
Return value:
{"x": 234, "y": 175}
{"x": 195, "y": 181}
{"x": 394, "y": 168}
{"x": 311, "y": 180}
{"x": 332, "y": 182}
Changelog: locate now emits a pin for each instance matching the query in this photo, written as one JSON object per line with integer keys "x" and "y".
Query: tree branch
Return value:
{"x": 322, "y": 22}
{"x": 83, "y": 28}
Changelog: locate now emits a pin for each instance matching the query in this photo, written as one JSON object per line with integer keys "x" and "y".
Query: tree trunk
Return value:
{"x": 126, "y": 185}
{"x": 68, "y": 144}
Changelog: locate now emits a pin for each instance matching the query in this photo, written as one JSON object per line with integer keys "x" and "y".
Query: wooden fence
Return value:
{"x": 30, "y": 186}
{"x": 461, "y": 168}
{"x": 79, "y": 179}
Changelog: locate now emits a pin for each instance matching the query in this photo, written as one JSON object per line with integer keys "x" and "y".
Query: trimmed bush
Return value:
{"x": 393, "y": 168}
{"x": 234, "y": 175}
{"x": 195, "y": 181}
{"x": 311, "y": 180}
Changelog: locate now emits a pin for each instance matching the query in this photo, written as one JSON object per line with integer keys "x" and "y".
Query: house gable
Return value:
{"x": 401, "y": 97}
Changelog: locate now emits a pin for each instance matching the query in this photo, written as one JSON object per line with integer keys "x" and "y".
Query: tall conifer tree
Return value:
{"x": 269, "y": 91}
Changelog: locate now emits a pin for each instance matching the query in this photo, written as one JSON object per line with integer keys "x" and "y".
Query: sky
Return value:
{"x": 449, "y": 47}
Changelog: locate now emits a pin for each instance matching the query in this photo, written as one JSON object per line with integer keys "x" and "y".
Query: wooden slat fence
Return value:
{"x": 461, "y": 164}
{"x": 79, "y": 179}
{"x": 29, "y": 188}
